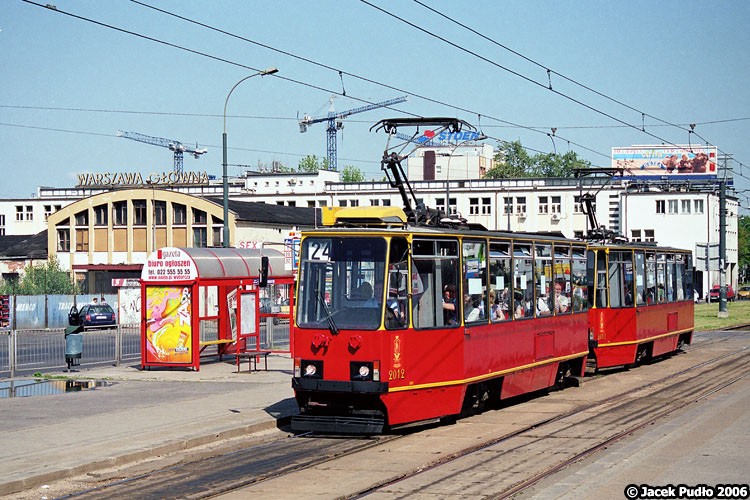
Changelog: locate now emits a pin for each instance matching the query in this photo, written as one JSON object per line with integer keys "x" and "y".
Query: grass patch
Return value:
{"x": 705, "y": 315}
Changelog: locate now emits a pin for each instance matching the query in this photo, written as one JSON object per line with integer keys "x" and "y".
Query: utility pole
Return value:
{"x": 723, "y": 313}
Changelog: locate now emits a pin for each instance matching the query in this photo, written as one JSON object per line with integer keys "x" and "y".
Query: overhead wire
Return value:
{"x": 351, "y": 120}
{"x": 98, "y": 134}
{"x": 547, "y": 69}
{"x": 220, "y": 59}
{"x": 524, "y": 77}
{"x": 341, "y": 72}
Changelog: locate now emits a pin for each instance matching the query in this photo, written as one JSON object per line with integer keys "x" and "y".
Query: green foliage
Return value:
{"x": 743, "y": 240}
{"x": 352, "y": 174}
{"x": 514, "y": 161}
{"x": 312, "y": 163}
{"x": 40, "y": 279}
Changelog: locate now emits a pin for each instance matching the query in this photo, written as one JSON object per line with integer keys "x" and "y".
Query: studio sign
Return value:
{"x": 136, "y": 179}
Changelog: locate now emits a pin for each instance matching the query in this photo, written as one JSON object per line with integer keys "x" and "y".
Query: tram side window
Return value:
{"x": 651, "y": 278}
{"x": 671, "y": 279}
{"x": 475, "y": 281}
{"x": 543, "y": 281}
{"x": 615, "y": 280}
{"x": 688, "y": 279}
{"x": 501, "y": 302}
{"x": 661, "y": 278}
{"x": 434, "y": 284}
{"x": 679, "y": 274}
{"x": 397, "y": 303}
{"x": 640, "y": 279}
{"x": 625, "y": 258}
{"x": 582, "y": 279}
{"x": 561, "y": 298}
{"x": 523, "y": 274}
{"x": 601, "y": 278}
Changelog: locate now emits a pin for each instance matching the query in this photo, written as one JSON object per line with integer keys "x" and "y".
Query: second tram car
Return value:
{"x": 398, "y": 324}
{"x": 643, "y": 303}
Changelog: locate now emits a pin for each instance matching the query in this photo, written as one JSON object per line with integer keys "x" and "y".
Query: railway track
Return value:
{"x": 621, "y": 413}
{"x": 496, "y": 466}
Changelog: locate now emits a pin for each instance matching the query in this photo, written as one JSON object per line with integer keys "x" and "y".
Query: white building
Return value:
{"x": 668, "y": 212}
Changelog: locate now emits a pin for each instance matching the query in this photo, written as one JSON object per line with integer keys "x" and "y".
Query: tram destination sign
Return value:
{"x": 673, "y": 161}
{"x": 111, "y": 179}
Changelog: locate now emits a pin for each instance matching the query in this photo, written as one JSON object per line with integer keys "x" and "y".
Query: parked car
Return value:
{"x": 743, "y": 292}
{"x": 92, "y": 315}
{"x": 714, "y": 294}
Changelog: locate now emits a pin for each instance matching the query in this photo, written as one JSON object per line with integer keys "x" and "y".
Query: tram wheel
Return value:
{"x": 563, "y": 372}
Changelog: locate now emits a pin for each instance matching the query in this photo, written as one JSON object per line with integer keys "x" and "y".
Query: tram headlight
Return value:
{"x": 364, "y": 371}
{"x": 311, "y": 368}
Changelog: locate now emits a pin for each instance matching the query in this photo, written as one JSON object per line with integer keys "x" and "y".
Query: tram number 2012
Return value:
{"x": 397, "y": 374}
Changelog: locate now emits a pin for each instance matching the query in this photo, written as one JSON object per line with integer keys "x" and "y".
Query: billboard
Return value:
{"x": 661, "y": 160}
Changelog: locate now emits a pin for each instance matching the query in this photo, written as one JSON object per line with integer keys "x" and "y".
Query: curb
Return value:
{"x": 184, "y": 444}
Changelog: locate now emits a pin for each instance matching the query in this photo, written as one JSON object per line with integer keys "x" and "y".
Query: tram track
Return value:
{"x": 233, "y": 470}
{"x": 281, "y": 458}
{"x": 522, "y": 448}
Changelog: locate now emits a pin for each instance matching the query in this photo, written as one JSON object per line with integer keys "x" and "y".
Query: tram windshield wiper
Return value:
{"x": 329, "y": 318}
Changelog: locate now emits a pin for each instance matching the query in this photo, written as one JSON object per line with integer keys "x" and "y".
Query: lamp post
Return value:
{"x": 480, "y": 137}
{"x": 268, "y": 71}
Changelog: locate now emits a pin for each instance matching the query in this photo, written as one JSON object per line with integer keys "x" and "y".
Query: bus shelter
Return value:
{"x": 198, "y": 301}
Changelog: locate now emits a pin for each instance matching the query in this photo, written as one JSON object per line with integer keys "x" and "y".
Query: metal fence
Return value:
{"x": 28, "y": 312}
{"x": 24, "y": 352}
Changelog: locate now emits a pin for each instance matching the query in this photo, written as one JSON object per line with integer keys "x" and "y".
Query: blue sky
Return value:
{"x": 681, "y": 61}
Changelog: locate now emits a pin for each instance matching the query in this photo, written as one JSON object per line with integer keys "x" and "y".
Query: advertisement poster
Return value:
{"x": 661, "y": 160}
{"x": 168, "y": 325}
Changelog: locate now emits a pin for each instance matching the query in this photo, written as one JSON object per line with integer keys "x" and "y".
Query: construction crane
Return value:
{"x": 335, "y": 123}
{"x": 176, "y": 146}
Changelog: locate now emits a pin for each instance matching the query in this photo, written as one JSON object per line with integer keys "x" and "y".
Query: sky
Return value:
{"x": 69, "y": 84}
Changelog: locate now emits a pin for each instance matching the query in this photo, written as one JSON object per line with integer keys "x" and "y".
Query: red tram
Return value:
{"x": 410, "y": 315}
{"x": 399, "y": 324}
{"x": 643, "y": 302}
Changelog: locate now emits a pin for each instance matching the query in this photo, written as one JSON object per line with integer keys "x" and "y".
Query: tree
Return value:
{"x": 743, "y": 241}
{"x": 352, "y": 174}
{"x": 40, "y": 279}
{"x": 312, "y": 163}
{"x": 511, "y": 161}
{"x": 514, "y": 161}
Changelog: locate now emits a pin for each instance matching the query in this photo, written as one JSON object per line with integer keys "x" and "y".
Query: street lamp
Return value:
{"x": 268, "y": 71}
{"x": 480, "y": 137}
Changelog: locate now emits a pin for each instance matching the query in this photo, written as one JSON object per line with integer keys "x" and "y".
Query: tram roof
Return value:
{"x": 439, "y": 231}
{"x": 426, "y": 230}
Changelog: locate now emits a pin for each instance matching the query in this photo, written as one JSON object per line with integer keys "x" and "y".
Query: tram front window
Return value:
{"x": 341, "y": 283}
